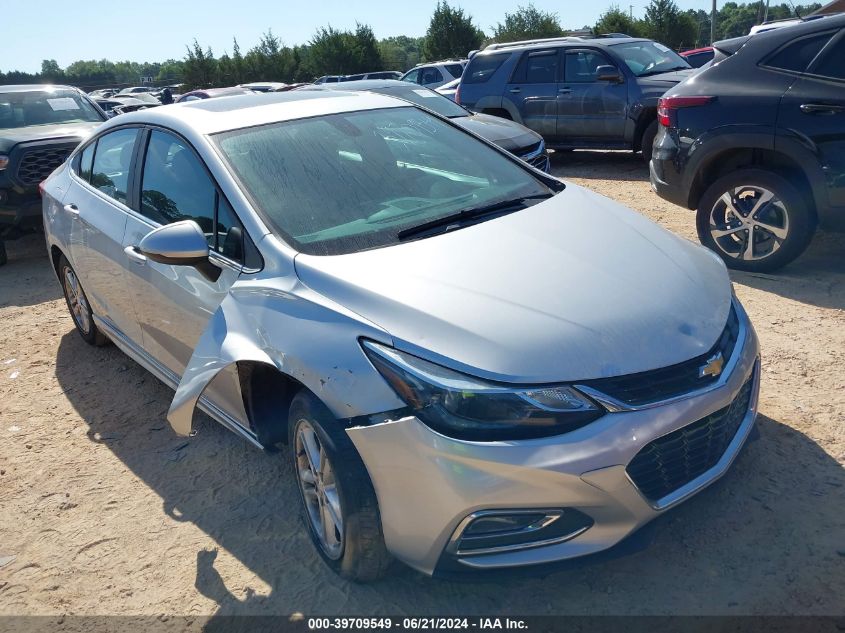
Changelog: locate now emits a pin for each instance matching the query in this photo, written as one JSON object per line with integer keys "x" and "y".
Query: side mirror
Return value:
{"x": 178, "y": 244}
{"x": 608, "y": 73}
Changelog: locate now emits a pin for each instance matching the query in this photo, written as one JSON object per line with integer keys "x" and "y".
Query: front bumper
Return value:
{"x": 19, "y": 212}
{"x": 427, "y": 484}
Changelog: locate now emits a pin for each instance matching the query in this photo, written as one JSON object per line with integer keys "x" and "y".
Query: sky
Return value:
{"x": 155, "y": 30}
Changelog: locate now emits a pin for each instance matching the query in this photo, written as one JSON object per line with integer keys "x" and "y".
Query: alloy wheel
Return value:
{"x": 749, "y": 223}
{"x": 77, "y": 301}
{"x": 319, "y": 490}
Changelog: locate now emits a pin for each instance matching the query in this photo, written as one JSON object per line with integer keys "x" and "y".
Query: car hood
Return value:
{"x": 508, "y": 135}
{"x": 11, "y": 137}
{"x": 573, "y": 288}
{"x": 670, "y": 78}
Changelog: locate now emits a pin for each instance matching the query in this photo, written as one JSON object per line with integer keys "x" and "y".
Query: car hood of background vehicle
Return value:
{"x": 506, "y": 134}
{"x": 11, "y": 137}
{"x": 672, "y": 78}
{"x": 575, "y": 287}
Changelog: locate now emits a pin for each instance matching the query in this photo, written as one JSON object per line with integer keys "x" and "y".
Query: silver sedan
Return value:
{"x": 475, "y": 366}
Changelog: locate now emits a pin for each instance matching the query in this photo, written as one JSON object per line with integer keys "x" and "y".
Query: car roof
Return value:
{"x": 559, "y": 41}
{"x": 34, "y": 87}
{"x": 210, "y": 116}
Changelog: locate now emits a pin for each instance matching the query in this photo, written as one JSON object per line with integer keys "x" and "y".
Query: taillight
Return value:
{"x": 666, "y": 107}
{"x": 458, "y": 94}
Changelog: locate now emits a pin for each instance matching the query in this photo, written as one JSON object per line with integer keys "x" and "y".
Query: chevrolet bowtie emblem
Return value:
{"x": 713, "y": 366}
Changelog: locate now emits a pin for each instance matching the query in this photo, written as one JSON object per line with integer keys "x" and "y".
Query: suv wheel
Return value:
{"x": 339, "y": 503}
{"x": 77, "y": 304}
{"x": 647, "y": 141}
{"x": 754, "y": 220}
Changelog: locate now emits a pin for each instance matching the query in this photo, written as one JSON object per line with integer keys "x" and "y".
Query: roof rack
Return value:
{"x": 547, "y": 40}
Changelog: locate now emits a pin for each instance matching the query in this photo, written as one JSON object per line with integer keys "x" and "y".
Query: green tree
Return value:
{"x": 451, "y": 33}
{"x": 614, "y": 20}
{"x": 401, "y": 52}
{"x": 527, "y": 23}
{"x": 665, "y": 23}
{"x": 50, "y": 71}
{"x": 200, "y": 67}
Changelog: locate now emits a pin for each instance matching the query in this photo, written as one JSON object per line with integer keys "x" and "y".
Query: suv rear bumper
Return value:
{"x": 666, "y": 182}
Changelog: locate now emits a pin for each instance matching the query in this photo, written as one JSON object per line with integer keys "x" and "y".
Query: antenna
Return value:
{"x": 795, "y": 10}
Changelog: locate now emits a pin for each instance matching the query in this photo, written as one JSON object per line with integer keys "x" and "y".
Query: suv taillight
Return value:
{"x": 666, "y": 107}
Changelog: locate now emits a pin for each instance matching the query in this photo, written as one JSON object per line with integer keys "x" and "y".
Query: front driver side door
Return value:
{"x": 590, "y": 111}
{"x": 173, "y": 304}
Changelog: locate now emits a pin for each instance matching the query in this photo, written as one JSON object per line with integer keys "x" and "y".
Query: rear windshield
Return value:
{"x": 649, "y": 58}
{"x": 482, "y": 67}
{"x": 427, "y": 99}
{"x": 45, "y": 107}
{"x": 352, "y": 181}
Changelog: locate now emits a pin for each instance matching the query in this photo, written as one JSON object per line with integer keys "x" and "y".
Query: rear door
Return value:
{"x": 533, "y": 90}
{"x": 590, "y": 111}
{"x": 814, "y": 107}
{"x": 96, "y": 204}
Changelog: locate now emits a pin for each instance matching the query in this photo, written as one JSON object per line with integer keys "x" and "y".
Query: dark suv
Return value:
{"x": 39, "y": 127}
{"x": 576, "y": 92}
{"x": 756, "y": 143}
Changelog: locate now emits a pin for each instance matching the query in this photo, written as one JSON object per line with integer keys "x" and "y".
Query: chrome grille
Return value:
{"x": 671, "y": 461}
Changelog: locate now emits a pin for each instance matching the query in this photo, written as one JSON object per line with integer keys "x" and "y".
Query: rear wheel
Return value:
{"x": 647, "y": 142}
{"x": 754, "y": 220}
{"x": 339, "y": 504}
{"x": 77, "y": 304}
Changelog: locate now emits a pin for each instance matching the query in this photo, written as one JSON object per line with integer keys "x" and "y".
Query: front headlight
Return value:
{"x": 4, "y": 161}
{"x": 465, "y": 407}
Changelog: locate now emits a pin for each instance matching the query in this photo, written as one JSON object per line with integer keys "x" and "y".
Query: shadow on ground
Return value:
{"x": 711, "y": 555}
{"x": 27, "y": 278}
{"x": 599, "y": 165}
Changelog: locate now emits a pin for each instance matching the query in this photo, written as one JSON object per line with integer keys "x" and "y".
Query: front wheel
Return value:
{"x": 339, "y": 503}
{"x": 754, "y": 220}
{"x": 647, "y": 142}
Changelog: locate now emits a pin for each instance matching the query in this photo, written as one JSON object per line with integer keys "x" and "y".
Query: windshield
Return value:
{"x": 427, "y": 99}
{"x": 44, "y": 107}
{"x": 649, "y": 58}
{"x": 352, "y": 181}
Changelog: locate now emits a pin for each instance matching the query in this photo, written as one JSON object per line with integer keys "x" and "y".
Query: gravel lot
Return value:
{"x": 105, "y": 511}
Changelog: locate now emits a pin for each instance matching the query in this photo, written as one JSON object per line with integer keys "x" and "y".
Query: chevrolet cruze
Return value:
{"x": 475, "y": 365}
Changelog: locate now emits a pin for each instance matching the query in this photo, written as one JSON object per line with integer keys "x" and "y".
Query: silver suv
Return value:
{"x": 475, "y": 366}
{"x": 435, "y": 74}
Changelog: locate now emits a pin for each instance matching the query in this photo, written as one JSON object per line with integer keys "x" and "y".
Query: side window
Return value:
{"x": 581, "y": 65}
{"x": 175, "y": 185}
{"x": 540, "y": 67}
{"x": 798, "y": 54}
{"x": 110, "y": 170}
{"x": 832, "y": 63}
{"x": 456, "y": 70}
{"x": 430, "y": 76}
{"x": 412, "y": 76}
{"x": 86, "y": 158}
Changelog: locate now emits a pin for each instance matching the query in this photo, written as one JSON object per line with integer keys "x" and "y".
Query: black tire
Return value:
{"x": 363, "y": 556}
{"x": 3, "y": 257}
{"x": 788, "y": 213}
{"x": 647, "y": 142}
{"x": 84, "y": 319}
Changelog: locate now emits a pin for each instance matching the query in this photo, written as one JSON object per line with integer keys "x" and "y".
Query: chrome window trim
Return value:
{"x": 614, "y": 405}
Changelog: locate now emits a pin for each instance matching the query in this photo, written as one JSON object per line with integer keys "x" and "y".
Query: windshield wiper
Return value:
{"x": 663, "y": 70}
{"x": 459, "y": 219}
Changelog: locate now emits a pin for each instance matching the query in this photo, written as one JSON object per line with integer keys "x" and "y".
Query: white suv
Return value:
{"x": 436, "y": 74}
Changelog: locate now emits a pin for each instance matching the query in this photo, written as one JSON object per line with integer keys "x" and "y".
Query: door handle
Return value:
{"x": 135, "y": 255}
{"x": 72, "y": 209}
{"x": 821, "y": 108}
{"x": 564, "y": 91}
{"x": 515, "y": 90}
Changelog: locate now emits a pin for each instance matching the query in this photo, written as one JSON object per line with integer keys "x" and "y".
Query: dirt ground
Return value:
{"x": 103, "y": 510}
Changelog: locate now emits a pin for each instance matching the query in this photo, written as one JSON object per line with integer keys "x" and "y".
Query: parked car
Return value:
{"x": 134, "y": 90}
{"x": 210, "y": 93}
{"x": 263, "y": 86}
{"x": 450, "y": 89}
{"x": 121, "y": 105}
{"x": 509, "y": 135}
{"x": 102, "y": 94}
{"x": 576, "y": 92}
{"x": 380, "y": 74}
{"x": 328, "y": 79}
{"x": 771, "y": 25}
{"x": 697, "y": 57}
{"x": 39, "y": 126}
{"x": 456, "y": 346}
{"x": 435, "y": 74}
{"x": 762, "y": 167}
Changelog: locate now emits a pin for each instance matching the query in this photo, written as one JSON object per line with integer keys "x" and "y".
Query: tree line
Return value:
{"x": 451, "y": 33}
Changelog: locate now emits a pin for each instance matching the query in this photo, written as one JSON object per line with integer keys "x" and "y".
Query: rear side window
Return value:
{"x": 482, "y": 67}
{"x": 455, "y": 70}
{"x": 798, "y": 54}
{"x": 430, "y": 76}
{"x": 537, "y": 68}
{"x": 85, "y": 161}
{"x": 832, "y": 63}
{"x": 112, "y": 158}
